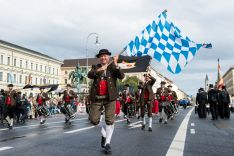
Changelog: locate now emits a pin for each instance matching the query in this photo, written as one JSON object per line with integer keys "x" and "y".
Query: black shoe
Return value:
{"x": 128, "y": 122}
{"x": 42, "y": 122}
{"x": 10, "y": 127}
{"x": 142, "y": 127}
{"x": 103, "y": 141}
{"x": 66, "y": 120}
{"x": 160, "y": 120}
{"x": 138, "y": 117}
{"x": 150, "y": 129}
{"x": 107, "y": 149}
{"x": 165, "y": 122}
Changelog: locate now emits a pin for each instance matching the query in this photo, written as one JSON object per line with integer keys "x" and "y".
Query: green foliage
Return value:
{"x": 131, "y": 80}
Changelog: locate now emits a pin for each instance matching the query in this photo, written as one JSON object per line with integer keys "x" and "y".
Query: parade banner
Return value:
{"x": 164, "y": 42}
{"x": 130, "y": 64}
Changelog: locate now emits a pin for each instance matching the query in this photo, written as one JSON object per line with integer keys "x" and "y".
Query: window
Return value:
{"x": 8, "y": 77}
{"x": 26, "y": 64}
{"x": 49, "y": 81}
{"x": 36, "y": 67}
{"x": 21, "y": 63}
{"x": 45, "y": 69}
{"x": 53, "y": 70}
{"x": 49, "y": 70}
{"x": 65, "y": 81}
{"x": 36, "y": 81}
{"x": 1, "y": 76}
{"x": 20, "y": 79}
{"x": 26, "y": 80}
{"x": 15, "y": 62}
{"x": 41, "y": 68}
{"x": 8, "y": 61}
{"x": 1, "y": 61}
{"x": 14, "y": 78}
{"x": 31, "y": 66}
{"x": 57, "y": 71}
{"x": 40, "y": 81}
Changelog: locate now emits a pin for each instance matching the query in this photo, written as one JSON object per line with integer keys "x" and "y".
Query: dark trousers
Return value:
{"x": 225, "y": 110}
{"x": 149, "y": 105}
{"x": 9, "y": 111}
{"x": 214, "y": 110}
{"x": 201, "y": 110}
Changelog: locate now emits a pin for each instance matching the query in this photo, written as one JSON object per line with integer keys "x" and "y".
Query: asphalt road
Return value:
{"x": 185, "y": 135}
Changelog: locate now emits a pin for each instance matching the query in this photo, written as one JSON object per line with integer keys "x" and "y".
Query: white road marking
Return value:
{"x": 86, "y": 128}
{"x": 80, "y": 129}
{"x": 177, "y": 145}
{"x": 135, "y": 126}
{"x": 134, "y": 123}
{"x": 192, "y": 131}
{"x": 192, "y": 124}
{"x": 5, "y": 148}
{"x": 50, "y": 123}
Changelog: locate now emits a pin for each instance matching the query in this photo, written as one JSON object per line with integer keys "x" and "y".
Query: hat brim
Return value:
{"x": 104, "y": 53}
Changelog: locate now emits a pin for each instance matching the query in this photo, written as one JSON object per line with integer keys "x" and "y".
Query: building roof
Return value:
{"x": 82, "y": 62}
{"x": 28, "y": 50}
{"x": 231, "y": 68}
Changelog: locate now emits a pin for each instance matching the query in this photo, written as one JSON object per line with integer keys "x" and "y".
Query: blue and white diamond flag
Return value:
{"x": 163, "y": 41}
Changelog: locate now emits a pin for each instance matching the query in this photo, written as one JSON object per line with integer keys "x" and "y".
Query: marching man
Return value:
{"x": 68, "y": 97}
{"x": 42, "y": 97}
{"x": 103, "y": 94}
{"x": 147, "y": 97}
{"x": 162, "y": 94}
{"x": 10, "y": 97}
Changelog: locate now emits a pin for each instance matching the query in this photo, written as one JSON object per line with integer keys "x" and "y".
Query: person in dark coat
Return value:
{"x": 202, "y": 100}
{"x": 137, "y": 98}
{"x": 41, "y": 99}
{"x": 213, "y": 101}
{"x": 224, "y": 102}
{"x": 68, "y": 98}
{"x": 146, "y": 98}
{"x": 103, "y": 94}
{"x": 10, "y": 101}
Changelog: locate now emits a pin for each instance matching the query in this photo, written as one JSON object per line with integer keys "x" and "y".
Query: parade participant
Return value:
{"x": 224, "y": 101}
{"x": 42, "y": 97}
{"x": 68, "y": 98}
{"x": 147, "y": 97}
{"x": 25, "y": 107}
{"x": 10, "y": 97}
{"x": 213, "y": 101}
{"x": 162, "y": 95}
{"x": 127, "y": 102}
{"x": 2, "y": 103}
{"x": 118, "y": 107}
{"x": 104, "y": 93}
{"x": 172, "y": 98}
{"x": 18, "y": 107}
{"x": 155, "y": 105}
{"x": 137, "y": 98}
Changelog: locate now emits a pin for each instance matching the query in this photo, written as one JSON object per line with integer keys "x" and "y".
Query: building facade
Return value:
{"x": 228, "y": 79}
{"x": 21, "y": 66}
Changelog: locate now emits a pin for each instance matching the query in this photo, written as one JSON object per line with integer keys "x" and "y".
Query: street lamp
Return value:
{"x": 87, "y": 58}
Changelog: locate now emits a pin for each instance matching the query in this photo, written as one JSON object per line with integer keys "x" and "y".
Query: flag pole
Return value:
{"x": 121, "y": 52}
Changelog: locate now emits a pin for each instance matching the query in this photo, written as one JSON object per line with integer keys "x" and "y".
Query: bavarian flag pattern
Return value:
{"x": 163, "y": 41}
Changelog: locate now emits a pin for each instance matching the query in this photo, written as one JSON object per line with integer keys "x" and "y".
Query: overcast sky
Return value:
{"x": 59, "y": 28}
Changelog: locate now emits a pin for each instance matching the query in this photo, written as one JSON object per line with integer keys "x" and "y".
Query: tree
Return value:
{"x": 131, "y": 80}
